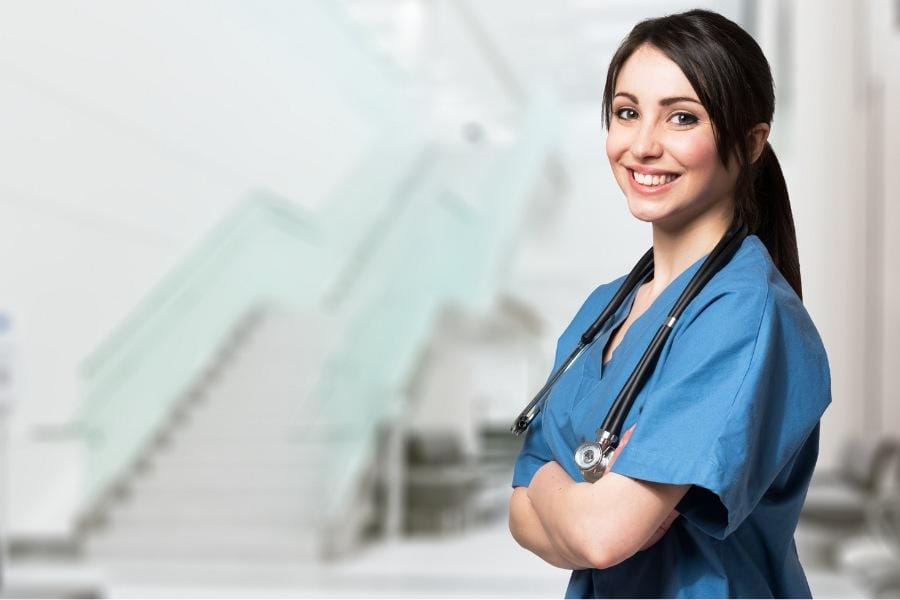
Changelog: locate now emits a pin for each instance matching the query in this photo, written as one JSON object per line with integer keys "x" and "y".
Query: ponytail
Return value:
{"x": 731, "y": 76}
{"x": 766, "y": 208}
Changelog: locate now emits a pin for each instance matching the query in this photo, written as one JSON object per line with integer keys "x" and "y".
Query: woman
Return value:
{"x": 706, "y": 487}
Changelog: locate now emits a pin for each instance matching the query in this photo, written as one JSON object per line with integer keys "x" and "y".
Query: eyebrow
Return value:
{"x": 663, "y": 102}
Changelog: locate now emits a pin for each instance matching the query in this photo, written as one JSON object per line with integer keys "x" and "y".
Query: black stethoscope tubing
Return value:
{"x": 612, "y": 425}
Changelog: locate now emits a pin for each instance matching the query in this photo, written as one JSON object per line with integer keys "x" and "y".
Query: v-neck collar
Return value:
{"x": 594, "y": 366}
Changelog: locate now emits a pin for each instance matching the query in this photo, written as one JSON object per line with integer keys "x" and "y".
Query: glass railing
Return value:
{"x": 448, "y": 245}
{"x": 399, "y": 241}
{"x": 267, "y": 250}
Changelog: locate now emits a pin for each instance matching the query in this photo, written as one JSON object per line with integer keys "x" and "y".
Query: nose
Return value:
{"x": 645, "y": 143}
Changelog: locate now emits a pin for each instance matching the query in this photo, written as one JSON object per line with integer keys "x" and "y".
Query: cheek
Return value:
{"x": 696, "y": 153}
{"x": 616, "y": 144}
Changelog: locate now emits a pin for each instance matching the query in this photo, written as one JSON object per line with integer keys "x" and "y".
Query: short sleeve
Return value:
{"x": 533, "y": 455}
{"x": 535, "y": 450}
{"x": 733, "y": 398}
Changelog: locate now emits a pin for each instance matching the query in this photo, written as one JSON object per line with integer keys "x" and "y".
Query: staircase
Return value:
{"x": 234, "y": 489}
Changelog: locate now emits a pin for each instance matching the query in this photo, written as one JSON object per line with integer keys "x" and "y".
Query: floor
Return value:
{"x": 484, "y": 563}
{"x": 487, "y": 564}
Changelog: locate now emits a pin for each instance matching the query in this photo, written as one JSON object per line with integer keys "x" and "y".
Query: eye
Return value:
{"x": 689, "y": 119}
{"x": 623, "y": 110}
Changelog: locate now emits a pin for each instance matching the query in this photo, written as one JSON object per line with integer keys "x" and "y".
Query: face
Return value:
{"x": 661, "y": 146}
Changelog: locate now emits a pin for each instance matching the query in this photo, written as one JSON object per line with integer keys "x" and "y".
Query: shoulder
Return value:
{"x": 747, "y": 280}
{"x": 751, "y": 285}
{"x": 749, "y": 299}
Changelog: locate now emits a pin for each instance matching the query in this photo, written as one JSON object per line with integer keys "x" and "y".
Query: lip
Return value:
{"x": 651, "y": 190}
{"x": 650, "y": 171}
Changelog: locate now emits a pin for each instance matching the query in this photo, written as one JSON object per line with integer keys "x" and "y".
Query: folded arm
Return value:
{"x": 527, "y": 530}
{"x": 603, "y": 523}
{"x": 592, "y": 525}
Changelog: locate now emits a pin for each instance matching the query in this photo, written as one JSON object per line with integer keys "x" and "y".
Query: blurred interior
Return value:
{"x": 275, "y": 278}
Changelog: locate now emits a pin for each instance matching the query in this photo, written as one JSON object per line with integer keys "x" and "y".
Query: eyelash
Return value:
{"x": 687, "y": 114}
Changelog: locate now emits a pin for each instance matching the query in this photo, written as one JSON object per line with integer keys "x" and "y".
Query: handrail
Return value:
{"x": 176, "y": 332}
{"x": 433, "y": 253}
{"x": 267, "y": 249}
{"x": 158, "y": 299}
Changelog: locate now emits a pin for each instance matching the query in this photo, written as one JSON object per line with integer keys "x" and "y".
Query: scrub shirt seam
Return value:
{"x": 750, "y": 363}
{"x": 712, "y": 459}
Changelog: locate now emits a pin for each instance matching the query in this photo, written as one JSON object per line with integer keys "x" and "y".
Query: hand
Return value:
{"x": 667, "y": 523}
{"x": 622, "y": 443}
{"x": 663, "y": 528}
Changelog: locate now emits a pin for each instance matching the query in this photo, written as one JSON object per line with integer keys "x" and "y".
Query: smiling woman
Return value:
{"x": 703, "y": 493}
{"x": 667, "y": 145}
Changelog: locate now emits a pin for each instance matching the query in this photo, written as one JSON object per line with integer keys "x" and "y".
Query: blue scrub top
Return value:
{"x": 732, "y": 407}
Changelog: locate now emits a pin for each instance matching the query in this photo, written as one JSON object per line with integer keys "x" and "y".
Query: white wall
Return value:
{"x": 844, "y": 139}
{"x": 824, "y": 170}
{"x": 882, "y": 158}
{"x": 129, "y": 129}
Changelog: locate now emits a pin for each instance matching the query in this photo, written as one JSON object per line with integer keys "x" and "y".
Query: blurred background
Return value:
{"x": 275, "y": 278}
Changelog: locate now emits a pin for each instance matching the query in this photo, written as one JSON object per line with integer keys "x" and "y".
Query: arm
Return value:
{"x": 527, "y": 530}
{"x": 634, "y": 513}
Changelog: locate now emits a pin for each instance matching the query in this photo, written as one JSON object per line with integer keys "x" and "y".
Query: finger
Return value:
{"x": 661, "y": 530}
{"x": 627, "y": 436}
{"x": 621, "y": 446}
{"x": 671, "y": 518}
{"x": 657, "y": 535}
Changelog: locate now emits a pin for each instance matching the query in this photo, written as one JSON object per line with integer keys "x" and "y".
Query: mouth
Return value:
{"x": 651, "y": 184}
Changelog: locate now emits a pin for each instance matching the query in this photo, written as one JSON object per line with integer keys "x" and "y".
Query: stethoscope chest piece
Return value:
{"x": 592, "y": 458}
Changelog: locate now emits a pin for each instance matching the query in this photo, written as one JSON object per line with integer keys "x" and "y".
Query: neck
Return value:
{"x": 674, "y": 250}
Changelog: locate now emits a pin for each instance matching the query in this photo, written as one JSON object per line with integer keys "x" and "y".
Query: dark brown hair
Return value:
{"x": 732, "y": 78}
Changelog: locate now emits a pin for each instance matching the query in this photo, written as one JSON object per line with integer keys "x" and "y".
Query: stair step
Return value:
{"x": 132, "y": 528}
{"x": 187, "y": 544}
{"x": 211, "y": 458}
{"x": 200, "y": 510}
{"x": 216, "y": 574}
{"x": 298, "y": 435}
{"x": 239, "y": 517}
{"x": 294, "y": 487}
{"x": 241, "y": 476}
{"x": 253, "y": 476}
{"x": 229, "y": 450}
{"x": 252, "y": 436}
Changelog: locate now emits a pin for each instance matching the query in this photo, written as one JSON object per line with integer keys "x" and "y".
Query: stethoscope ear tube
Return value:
{"x": 718, "y": 257}
{"x": 643, "y": 267}
{"x": 592, "y": 458}
{"x": 533, "y": 408}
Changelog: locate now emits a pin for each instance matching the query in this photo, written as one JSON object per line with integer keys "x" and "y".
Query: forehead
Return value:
{"x": 649, "y": 74}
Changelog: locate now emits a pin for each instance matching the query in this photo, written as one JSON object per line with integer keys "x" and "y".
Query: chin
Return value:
{"x": 648, "y": 212}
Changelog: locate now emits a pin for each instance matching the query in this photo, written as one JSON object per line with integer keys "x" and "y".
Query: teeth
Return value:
{"x": 652, "y": 180}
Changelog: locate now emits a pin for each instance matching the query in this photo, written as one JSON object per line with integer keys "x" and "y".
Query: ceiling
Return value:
{"x": 486, "y": 55}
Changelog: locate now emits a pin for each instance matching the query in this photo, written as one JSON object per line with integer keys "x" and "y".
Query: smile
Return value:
{"x": 648, "y": 184}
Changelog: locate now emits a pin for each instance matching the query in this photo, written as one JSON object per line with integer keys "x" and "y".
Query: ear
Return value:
{"x": 756, "y": 140}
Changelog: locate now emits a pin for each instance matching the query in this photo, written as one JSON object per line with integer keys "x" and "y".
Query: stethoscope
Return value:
{"x": 592, "y": 458}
